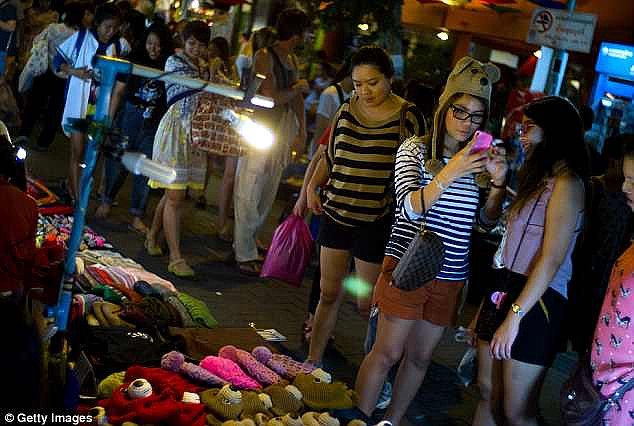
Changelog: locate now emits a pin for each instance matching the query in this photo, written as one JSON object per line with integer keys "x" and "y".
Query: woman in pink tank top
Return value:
{"x": 612, "y": 355}
{"x": 520, "y": 322}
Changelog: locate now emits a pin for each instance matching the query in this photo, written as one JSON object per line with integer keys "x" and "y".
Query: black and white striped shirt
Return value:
{"x": 451, "y": 217}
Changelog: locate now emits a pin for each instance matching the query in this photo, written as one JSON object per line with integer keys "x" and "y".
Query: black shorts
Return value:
{"x": 366, "y": 243}
{"x": 541, "y": 331}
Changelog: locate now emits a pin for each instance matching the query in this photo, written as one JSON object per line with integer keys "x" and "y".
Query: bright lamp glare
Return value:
{"x": 21, "y": 154}
{"x": 538, "y": 54}
{"x": 363, "y": 27}
{"x": 606, "y": 103}
{"x": 262, "y": 102}
{"x": 195, "y": 4}
{"x": 443, "y": 36}
{"x": 254, "y": 134}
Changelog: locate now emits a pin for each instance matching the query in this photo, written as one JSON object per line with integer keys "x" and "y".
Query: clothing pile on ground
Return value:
{"x": 57, "y": 228}
{"x": 235, "y": 388}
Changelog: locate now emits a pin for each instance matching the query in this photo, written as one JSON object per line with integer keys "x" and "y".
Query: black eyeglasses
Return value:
{"x": 462, "y": 115}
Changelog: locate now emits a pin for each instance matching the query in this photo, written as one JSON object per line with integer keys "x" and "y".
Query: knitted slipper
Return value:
{"x": 310, "y": 418}
{"x": 276, "y": 421}
{"x": 224, "y": 403}
{"x": 181, "y": 269}
{"x": 250, "y": 365}
{"x": 325, "y": 419}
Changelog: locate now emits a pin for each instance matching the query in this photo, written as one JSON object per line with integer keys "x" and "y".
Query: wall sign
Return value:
{"x": 562, "y": 29}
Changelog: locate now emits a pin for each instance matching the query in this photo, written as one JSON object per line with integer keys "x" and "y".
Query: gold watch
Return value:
{"x": 517, "y": 310}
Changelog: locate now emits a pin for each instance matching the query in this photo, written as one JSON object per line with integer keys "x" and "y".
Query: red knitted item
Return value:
{"x": 161, "y": 379}
{"x": 158, "y": 408}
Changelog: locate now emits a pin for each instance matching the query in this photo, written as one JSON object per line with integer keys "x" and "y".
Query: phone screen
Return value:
{"x": 482, "y": 142}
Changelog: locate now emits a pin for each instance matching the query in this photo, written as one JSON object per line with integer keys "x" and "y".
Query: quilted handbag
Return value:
{"x": 421, "y": 262}
{"x": 581, "y": 403}
{"x": 211, "y": 132}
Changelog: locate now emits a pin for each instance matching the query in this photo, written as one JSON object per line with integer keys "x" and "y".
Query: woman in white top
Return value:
{"x": 74, "y": 58}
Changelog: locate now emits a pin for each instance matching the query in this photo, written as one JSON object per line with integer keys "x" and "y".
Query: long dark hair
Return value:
{"x": 563, "y": 142}
{"x": 224, "y": 53}
{"x": 139, "y": 54}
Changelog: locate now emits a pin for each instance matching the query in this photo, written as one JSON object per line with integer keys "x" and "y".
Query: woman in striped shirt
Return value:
{"x": 442, "y": 193}
{"x": 358, "y": 170}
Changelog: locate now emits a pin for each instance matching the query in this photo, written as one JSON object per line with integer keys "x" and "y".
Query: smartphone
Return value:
{"x": 482, "y": 142}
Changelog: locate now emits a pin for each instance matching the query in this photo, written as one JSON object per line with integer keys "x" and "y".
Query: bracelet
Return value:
{"x": 497, "y": 186}
{"x": 439, "y": 184}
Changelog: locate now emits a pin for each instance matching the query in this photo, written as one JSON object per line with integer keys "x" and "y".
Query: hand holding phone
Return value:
{"x": 482, "y": 142}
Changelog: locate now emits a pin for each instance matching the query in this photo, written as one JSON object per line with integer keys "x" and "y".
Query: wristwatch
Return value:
{"x": 517, "y": 310}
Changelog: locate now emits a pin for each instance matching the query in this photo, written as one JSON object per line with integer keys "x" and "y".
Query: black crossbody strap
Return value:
{"x": 530, "y": 217}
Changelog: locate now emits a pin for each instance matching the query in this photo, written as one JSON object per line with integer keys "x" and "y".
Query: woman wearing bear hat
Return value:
{"x": 521, "y": 320}
{"x": 435, "y": 183}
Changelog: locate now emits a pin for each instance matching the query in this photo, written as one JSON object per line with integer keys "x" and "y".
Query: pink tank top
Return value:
{"x": 525, "y": 236}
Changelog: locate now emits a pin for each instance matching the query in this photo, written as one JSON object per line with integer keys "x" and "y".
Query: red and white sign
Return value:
{"x": 562, "y": 29}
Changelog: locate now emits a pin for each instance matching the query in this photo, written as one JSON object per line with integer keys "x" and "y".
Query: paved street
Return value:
{"x": 237, "y": 301}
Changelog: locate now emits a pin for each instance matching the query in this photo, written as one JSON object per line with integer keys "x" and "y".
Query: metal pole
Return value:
{"x": 559, "y": 63}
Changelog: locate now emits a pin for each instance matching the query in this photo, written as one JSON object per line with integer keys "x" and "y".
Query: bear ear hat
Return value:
{"x": 492, "y": 71}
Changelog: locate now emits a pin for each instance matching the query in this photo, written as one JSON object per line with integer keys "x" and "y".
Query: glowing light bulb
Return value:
{"x": 538, "y": 54}
{"x": 21, "y": 154}
{"x": 443, "y": 36}
{"x": 254, "y": 134}
{"x": 363, "y": 27}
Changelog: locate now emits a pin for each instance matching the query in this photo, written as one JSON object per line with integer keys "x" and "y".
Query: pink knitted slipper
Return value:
{"x": 250, "y": 365}
{"x": 229, "y": 371}
{"x": 282, "y": 364}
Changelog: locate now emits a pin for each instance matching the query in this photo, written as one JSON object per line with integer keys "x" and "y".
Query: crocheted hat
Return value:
{"x": 225, "y": 403}
{"x": 254, "y": 403}
{"x": 312, "y": 418}
{"x": 292, "y": 419}
{"x": 198, "y": 310}
{"x": 175, "y": 361}
{"x": 283, "y": 365}
{"x": 319, "y": 395}
{"x": 286, "y": 399}
{"x": 245, "y": 422}
{"x": 468, "y": 76}
{"x": 250, "y": 365}
{"x": 109, "y": 384}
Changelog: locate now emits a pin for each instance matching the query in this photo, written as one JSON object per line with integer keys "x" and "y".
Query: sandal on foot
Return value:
{"x": 140, "y": 231}
{"x": 152, "y": 249}
{"x": 251, "y": 268}
{"x": 180, "y": 268}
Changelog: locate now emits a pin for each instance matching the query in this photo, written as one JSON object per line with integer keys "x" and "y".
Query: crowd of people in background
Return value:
{"x": 382, "y": 164}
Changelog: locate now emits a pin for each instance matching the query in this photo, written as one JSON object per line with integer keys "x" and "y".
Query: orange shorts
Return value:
{"x": 437, "y": 301}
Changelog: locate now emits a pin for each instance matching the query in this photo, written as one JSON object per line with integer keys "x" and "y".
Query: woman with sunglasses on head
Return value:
{"x": 520, "y": 324}
{"x": 435, "y": 186}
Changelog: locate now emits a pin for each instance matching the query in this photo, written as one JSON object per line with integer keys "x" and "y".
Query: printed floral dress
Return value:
{"x": 173, "y": 142}
{"x": 612, "y": 358}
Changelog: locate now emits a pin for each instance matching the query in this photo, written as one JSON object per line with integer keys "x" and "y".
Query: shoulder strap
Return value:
{"x": 78, "y": 43}
{"x": 618, "y": 394}
{"x": 339, "y": 92}
{"x": 530, "y": 217}
{"x": 402, "y": 121}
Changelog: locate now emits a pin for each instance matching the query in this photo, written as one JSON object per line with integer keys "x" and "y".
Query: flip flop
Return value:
{"x": 142, "y": 232}
{"x": 251, "y": 268}
{"x": 181, "y": 269}
{"x": 154, "y": 249}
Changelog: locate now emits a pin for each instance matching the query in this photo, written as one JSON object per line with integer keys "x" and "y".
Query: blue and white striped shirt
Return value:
{"x": 451, "y": 217}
